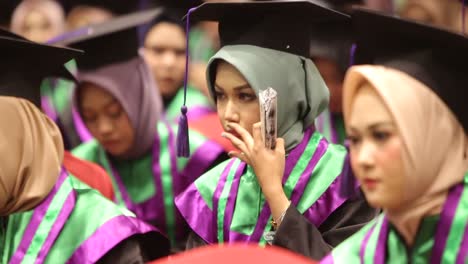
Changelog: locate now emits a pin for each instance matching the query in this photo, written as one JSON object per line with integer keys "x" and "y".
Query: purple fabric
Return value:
{"x": 80, "y": 127}
{"x": 463, "y": 252}
{"x": 327, "y": 260}
{"x": 231, "y": 201}
{"x": 48, "y": 109}
{"x": 445, "y": 223}
{"x": 217, "y": 194}
{"x": 132, "y": 84}
{"x": 198, "y": 111}
{"x": 57, "y": 227}
{"x": 36, "y": 219}
{"x": 195, "y": 212}
{"x": 200, "y": 161}
{"x": 362, "y": 250}
{"x": 326, "y": 204}
{"x": 380, "y": 252}
{"x": 108, "y": 236}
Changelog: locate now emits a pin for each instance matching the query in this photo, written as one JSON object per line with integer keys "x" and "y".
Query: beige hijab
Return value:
{"x": 31, "y": 151}
{"x": 435, "y": 142}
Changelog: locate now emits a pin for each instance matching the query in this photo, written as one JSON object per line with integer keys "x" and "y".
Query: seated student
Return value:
{"x": 407, "y": 122}
{"x": 119, "y": 103}
{"x": 21, "y": 78}
{"x": 165, "y": 51}
{"x": 295, "y": 185}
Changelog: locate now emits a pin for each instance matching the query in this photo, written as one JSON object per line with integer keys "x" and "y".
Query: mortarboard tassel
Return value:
{"x": 183, "y": 144}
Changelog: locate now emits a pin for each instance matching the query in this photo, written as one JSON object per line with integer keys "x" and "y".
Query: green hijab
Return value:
{"x": 302, "y": 93}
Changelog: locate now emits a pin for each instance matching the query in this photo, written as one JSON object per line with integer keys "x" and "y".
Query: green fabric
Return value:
{"x": 194, "y": 98}
{"x": 201, "y": 49}
{"x": 137, "y": 176}
{"x": 76, "y": 230}
{"x": 420, "y": 252}
{"x": 302, "y": 93}
{"x": 249, "y": 198}
{"x": 208, "y": 182}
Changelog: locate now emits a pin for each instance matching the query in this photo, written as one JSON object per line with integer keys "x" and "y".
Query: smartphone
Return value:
{"x": 268, "y": 100}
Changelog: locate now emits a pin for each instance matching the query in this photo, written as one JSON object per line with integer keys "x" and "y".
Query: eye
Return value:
{"x": 89, "y": 118}
{"x": 353, "y": 140}
{"x": 219, "y": 95}
{"x": 180, "y": 52}
{"x": 114, "y": 111}
{"x": 380, "y": 136}
{"x": 247, "y": 97}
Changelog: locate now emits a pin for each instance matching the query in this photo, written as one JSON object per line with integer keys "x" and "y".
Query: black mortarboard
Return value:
{"x": 109, "y": 42}
{"x": 279, "y": 25}
{"x": 433, "y": 56}
{"x": 25, "y": 64}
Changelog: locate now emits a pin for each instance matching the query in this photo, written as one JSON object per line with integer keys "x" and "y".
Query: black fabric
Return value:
{"x": 434, "y": 56}
{"x": 278, "y": 25}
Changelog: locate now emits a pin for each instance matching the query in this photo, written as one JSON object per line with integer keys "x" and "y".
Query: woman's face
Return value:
{"x": 37, "y": 27}
{"x": 106, "y": 119}
{"x": 236, "y": 101}
{"x": 165, "y": 46}
{"x": 376, "y": 150}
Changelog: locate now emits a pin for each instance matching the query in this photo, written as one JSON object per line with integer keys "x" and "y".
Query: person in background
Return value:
{"x": 38, "y": 20}
{"x": 117, "y": 98}
{"x": 85, "y": 15}
{"x": 42, "y": 206}
{"x": 407, "y": 124}
{"x": 287, "y": 196}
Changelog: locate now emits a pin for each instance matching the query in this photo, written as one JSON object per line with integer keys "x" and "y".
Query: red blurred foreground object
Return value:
{"x": 235, "y": 254}
{"x": 210, "y": 126}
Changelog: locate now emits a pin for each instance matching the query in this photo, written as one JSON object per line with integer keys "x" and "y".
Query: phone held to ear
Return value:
{"x": 268, "y": 116}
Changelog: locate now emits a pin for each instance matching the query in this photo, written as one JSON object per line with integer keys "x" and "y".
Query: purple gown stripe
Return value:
{"x": 328, "y": 259}
{"x": 307, "y": 173}
{"x": 218, "y": 191}
{"x": 200, "y": 161}
{"x": 80, "y": 127}
{"x": 296, "y": 153}
{"x": 195, "y": 211}
{"x": 36, "y": 219}
{"x": 231, "y": 202}
{"x": 57, "y": 227}
{"x": 326, "y": 204}
{"x": 445, "y": 223}
{"x": 362, "y": 250}
{"x": 380, "y": 253}
{"x": 463, "y": 251}
{"x": 48, "y": 108}
{"x": 108, "y": 236}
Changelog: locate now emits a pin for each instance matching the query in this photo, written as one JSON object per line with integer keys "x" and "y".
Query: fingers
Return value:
{"x": 239, "y": 144}
{"x": 257, "y": 134}
{"x": 280, "y": 146}
{"x": 244, "y": 134}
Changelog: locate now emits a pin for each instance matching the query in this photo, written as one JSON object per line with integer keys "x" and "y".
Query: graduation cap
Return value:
{"x": 279, "y": 25}
{"x": 25, "y": 64}
{"x": 107, "y": 43}
{"x": 433, "y": 56}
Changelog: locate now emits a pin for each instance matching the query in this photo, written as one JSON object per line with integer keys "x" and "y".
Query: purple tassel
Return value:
{"x": 348, "y": 185}
{"x": 352, "y": 54}
{"x": 183, "y": 141}
{"x": 183, "y": 145}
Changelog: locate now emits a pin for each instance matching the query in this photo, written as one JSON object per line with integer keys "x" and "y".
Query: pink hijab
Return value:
{"x": 436, "y": 146}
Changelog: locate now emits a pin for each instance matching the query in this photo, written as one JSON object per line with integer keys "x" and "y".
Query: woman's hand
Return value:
{"x": 268, "y": 164}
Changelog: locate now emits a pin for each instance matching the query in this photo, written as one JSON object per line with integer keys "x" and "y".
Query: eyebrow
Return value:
{"x": 373, "y": 126}
{"x": 106, "y": 105}
{"x": 237, "y": 88}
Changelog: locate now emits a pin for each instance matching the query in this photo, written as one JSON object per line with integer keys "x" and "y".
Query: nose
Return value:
{"x": 105, "y": 127}
{"x": 365, "y": 155}
{"x": 168, "y": 59}
{"x": 231, "y": 113}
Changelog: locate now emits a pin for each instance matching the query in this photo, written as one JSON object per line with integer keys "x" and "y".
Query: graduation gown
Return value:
{"x": 440, "y": 238}
{"x": 198, "y": 105}
{"x": 331, "y": 126}
{"x": 147, "y": 186}
{"x": 74, "y": 224}
{"x": 226, "y": 204}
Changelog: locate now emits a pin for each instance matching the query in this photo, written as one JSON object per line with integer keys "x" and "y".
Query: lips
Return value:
{"x": 370, "y": 183}
{"x": 110, "y": 143}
